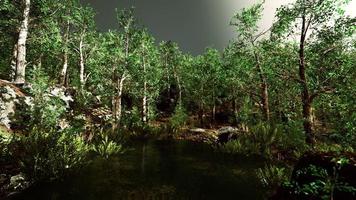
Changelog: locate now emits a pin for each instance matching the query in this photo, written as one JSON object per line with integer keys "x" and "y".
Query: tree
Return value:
{"x": 172, "y": 62}
{"x": 20, "y": 53}
{"x": 148, "y": 72}
{"x": 203, "y": 81}
{"x": 66, "y": 20}
{"x": 308, "y": 17}
{"x": 84, "y": 28}
{"x": 246, "y": 27}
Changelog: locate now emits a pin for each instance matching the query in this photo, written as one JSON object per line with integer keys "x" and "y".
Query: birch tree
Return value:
{"x": 306, "y": 18}
{"x": 20, "y": 53}
{"x": 247, "y": 30}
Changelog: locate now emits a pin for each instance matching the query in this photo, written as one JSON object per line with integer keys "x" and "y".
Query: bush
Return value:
{"x": 315, "y": 182}
{"x": 106, "y": 147}
{"x": 178, "y": 120}
{"x": 133, "y": 120}
{"x": 293, "y": 138}
{"x": 257, "y": 142}
{"x": 272, "y": 176}
{"x": 269, "y": 141}
{"x": 5, "y": 139}
{"x": 44, "y": 110}
{"x": 47, "y": 156}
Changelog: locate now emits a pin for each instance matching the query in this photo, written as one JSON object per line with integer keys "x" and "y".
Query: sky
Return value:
{"x": 193, "y": 24}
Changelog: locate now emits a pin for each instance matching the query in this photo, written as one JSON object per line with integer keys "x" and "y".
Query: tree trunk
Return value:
{"x": 21, "y": 45}
{"x": 265, "y": 100}
{"x": 213, "y": 111}
{"x": 305, "y": 94}
{"x": 82, "y": 65}
{"x": 119, "y": 99}
{"x": 13, "y": 63}
{"x": 179, "y": 86}
{"x": 117, "y": 103}
{"x": 201, "y": 114}
{"x": 63, "y": 75}
{"x": 114, "y": 114}
{"x": 264, "y": 87}
{"x": 144, "y": 99}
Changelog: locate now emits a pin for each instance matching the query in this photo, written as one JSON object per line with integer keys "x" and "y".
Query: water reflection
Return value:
{"x": 159, "y": 170}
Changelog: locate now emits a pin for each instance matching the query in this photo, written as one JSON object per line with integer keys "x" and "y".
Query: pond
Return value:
{"x": 159, "y": 170}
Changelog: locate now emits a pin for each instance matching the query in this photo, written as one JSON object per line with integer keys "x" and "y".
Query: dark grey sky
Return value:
{"x": 193, "y": 24}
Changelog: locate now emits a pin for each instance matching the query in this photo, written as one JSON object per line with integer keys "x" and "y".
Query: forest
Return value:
{"x": 87, "y": 114}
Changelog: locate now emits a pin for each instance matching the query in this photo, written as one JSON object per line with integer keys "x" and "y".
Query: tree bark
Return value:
{"x": 117, "y": 99}
{"x": 305, "y": 94}
{"x": 63, "y": 75}
{"x": 264, "y": 88}
{"x": 82, "y": 64}
{"x": 201, "y": 113}
{"x": 264, "y": 85}
{"x": 179, "y": 86}
{"x": 13, "y": 64}
{"x": 144, "y": 99}
{"x": 117, "y": 102}
{"x": 21, "y": 45}
{"x": 213, "y": 111}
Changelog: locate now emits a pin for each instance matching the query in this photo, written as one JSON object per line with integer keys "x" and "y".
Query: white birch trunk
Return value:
{"x": 64, "y": 70}
{"x": 21, "y": 45}
{"x": 119, "y": 97}
{"x": 144, "y": 99}
{"x": 13, "y": 64}
{"x": 82, "y": 65}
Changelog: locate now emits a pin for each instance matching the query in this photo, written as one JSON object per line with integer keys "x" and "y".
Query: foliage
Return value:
{"x": 259, "y": 141}
{"x": 272, "y": 176}
{"x": 5, "y": 140}
{"x": 106, "y": 147}
{"x": 178, "y": 120}
{"x": 44, "y": 111}
{"x": 269, "y": 141}
{"x": 48, "y": 155}
{"x": 257, "y": 79}
{"x": 323, "y": 184}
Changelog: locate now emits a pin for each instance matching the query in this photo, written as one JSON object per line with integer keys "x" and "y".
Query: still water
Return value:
{"x": 159, "y": 170}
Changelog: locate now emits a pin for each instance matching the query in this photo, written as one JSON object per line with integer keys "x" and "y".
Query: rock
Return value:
{"x": 226, "y": 134}
{"x": 60, "y": 93}
{"x": 197, "y": 130}
{"x": 18, "y": 182}
{"x": 227, "y": 129}
{"x": 9, "y": 97}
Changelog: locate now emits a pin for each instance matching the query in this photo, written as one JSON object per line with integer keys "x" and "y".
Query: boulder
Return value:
{"x": 197, "y": 130}
{"x": 18, "y": 182}
{"x": 10, "y": 95}
{"x": 226, "y": 134}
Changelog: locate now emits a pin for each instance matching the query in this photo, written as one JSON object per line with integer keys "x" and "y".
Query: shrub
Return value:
{"x": 178, "y": 120}
{"x": 292, "y": 138}
{"x": 243, "y": 145}
{"x": 318, "y": 182}
{"x": 133, "y": 119}
{"x": 4, "y": 142}
{"x": 272, "y": 176}
{"x": 43, "y": 111}
{"x": 106, "y": 147}
{"x": 257, "y": 142}
{"x": 47, "y": 156}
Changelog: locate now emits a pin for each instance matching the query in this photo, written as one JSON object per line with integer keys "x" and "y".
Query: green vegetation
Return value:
{"x": 67, "y": 80}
